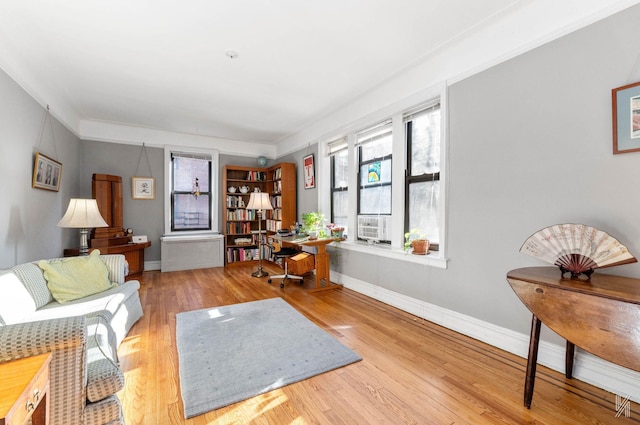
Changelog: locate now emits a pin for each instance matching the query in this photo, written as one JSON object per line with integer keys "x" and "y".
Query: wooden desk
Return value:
{"x": 23, "y": 394}
{"x": 323, "y": 281}
{"x": 600, "y": 315}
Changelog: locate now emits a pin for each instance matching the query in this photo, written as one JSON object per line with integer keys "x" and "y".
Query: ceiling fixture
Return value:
{"x": 232, "y": 54}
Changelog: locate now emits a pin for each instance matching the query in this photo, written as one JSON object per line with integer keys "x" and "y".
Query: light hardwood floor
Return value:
{"x": 413, "y": 372}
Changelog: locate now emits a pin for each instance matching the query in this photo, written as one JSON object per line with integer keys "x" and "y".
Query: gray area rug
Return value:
{"x": 230, "y": 353}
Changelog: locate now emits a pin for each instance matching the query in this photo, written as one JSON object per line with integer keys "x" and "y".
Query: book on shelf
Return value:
{"x": 256, "y": 176}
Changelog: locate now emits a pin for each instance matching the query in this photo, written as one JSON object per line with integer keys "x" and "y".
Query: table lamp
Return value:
{"x": 82, "y": 214}
{"x": 259, "y": 201}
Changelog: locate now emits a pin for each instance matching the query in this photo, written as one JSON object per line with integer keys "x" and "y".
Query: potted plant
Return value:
{"x": 312, "y": 223}
{"x": 417, "y": 240}
{"x": 336, "y": 230}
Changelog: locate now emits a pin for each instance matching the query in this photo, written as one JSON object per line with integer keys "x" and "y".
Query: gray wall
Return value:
{"x": 145, "y": 217}
{"x": 530, "y": 146}
{"x": 28, "y": 216}
{"x": 306, "y": 199}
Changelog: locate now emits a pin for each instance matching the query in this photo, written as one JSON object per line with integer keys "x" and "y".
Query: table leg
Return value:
{"x": 322, "y": 273}
{"x": 532, "y": 361}
{"x": 568, "y": 360}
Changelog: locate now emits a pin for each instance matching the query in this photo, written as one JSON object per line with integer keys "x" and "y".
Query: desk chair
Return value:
{"x": 280, "y": 253}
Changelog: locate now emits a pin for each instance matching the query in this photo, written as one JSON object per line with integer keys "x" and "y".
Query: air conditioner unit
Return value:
{"x": 374, "y": 227}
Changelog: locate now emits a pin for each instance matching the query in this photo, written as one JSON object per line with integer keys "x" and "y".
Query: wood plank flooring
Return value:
{"x": 413, "y": 372}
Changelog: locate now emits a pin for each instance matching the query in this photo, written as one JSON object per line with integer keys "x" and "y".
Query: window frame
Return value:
{"x": 395, "y": 112}
{"x": 423, "y": 178}
{"x": 213, "y": 190}
{"x": 183, "y": 192}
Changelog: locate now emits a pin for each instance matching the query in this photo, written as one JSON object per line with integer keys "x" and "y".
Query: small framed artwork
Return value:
{"x": 143, "y": 187}
{"x": 309, "y": 172}
{"x": 47, "y": 173}
{"x": 625, "y": 102}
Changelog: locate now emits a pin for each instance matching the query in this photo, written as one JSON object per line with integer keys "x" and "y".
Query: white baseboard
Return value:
{"x": 587, "y": 367}
{"x": 152, "y": 265}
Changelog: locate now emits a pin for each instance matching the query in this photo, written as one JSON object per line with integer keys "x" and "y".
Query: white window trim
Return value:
{"x": 215, "y": 175}
{"x": 396, "y": 113}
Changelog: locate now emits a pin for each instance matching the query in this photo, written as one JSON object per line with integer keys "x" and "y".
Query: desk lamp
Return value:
{"x": 82, "y": 214}
{"x": 259, "y": 201}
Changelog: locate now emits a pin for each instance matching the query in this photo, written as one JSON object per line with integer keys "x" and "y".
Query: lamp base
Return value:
{"x": 259, "y": 272}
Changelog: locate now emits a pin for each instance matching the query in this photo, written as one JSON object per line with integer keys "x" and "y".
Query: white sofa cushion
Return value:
{"x": 109, "y": 300}
{"x": 16, "y": 302}
{"x": 33, "y": 279}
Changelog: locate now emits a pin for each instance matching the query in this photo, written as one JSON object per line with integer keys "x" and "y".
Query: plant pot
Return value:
{"x": 420, "y": 246}
{"x": 337, "y": 233}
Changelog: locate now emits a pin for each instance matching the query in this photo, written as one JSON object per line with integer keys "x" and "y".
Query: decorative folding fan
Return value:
{"x": 577, "y": 248}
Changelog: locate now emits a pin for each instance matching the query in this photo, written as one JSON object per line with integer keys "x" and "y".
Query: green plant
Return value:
{"x": 312, "y": 221}
{"x": 412, "y": 235}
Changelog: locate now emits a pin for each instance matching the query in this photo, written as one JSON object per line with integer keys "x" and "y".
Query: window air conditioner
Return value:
{"x": 374, "y": 227}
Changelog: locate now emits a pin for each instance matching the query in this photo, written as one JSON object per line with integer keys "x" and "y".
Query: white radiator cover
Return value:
{"x": 191, "y": 252}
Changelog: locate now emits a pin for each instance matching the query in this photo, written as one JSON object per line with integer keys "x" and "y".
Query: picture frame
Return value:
{"x": 143, "y": 188}
{"x": 47, "y": 173}
{"x": 625, "y": 102}
{"x": 309, "y": 172}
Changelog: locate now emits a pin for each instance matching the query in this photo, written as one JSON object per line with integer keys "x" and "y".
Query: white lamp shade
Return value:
{"x": 82, "y": 213}
{"x": 259, "y": 201}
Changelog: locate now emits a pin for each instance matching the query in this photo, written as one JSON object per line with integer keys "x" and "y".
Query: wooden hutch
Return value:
{"x": 107, "y": 191}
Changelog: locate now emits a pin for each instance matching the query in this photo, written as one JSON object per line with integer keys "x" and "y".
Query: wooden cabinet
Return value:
{"x": 240, "y": 225}
{"x": 24, "y": 395}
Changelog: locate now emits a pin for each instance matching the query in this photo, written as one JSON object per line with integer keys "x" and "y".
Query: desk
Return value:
{"x": 322, "y": 258}
{"x": 600, "y": 315}
{"x": 25, "y": 385}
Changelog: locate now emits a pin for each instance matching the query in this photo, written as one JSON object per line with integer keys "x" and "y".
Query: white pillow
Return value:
{"x": 15, "y": 300}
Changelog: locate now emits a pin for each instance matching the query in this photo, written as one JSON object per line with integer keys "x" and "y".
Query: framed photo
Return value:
{"x": 309, "y": 172}
{"x": 625, "y": 102}
{"x": 143, "y": 188}
{"x": 47, "y": 173}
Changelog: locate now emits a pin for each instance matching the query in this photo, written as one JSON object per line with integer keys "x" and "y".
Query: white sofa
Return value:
{"x": 83, "y": 336}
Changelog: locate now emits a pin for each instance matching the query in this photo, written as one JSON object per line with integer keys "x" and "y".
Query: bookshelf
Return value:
{"x": 240, "y": 226}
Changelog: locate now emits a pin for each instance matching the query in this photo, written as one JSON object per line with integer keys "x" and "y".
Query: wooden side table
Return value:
{"x": 600, "y": 315}
{"x": 23, "y": 394}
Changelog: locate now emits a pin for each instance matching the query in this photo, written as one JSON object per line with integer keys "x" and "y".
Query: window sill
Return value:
{"x": 434, "y": 259}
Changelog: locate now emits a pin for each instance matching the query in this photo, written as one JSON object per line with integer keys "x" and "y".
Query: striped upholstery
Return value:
{"x": 116, "y": 265}
{"x": 85, "y": 376}
{"x": 32, "y": 277}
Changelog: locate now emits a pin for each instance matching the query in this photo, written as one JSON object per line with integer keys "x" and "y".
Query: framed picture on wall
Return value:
{"x": 625, "y": 102}
{"x": 309, "y": 172}
{"x": 143, "y": 188}
{"x": 47, "y": 173}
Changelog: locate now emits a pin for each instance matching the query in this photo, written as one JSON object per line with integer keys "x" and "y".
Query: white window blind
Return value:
{"x": 337, "y": 146}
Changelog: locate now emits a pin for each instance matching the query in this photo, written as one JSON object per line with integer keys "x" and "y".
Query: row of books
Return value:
{"x": 274, "y": 225}
{"x": 241, "y": 214}
{"x": 235, "y": 202}
{"x": 257, "y": 176}
{"x": 247, "y": 254}
{"x": 277, "y": 174}
{"x": 238, "y": 227}
{"x": 277, "y": 186}
{"x": 276, "y": 202}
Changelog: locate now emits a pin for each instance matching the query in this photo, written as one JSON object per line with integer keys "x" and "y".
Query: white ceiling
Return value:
{"x": 161, "y": 64}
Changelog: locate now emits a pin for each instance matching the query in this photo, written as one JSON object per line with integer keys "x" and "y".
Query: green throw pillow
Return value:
{"x": 76, "y": 277}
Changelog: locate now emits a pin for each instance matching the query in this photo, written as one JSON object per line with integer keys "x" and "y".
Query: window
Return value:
{"x": 190, "y": 200}
{"x": 374, "y": 170}
{"x": 422, "y": 184}
{"x": 339, "y": 182}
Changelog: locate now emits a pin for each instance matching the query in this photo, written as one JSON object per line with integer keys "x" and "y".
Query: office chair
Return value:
{"x": 280, "y": 253}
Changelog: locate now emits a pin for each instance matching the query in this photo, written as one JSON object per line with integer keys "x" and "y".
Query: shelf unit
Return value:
{"x": 240, "y": 226}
